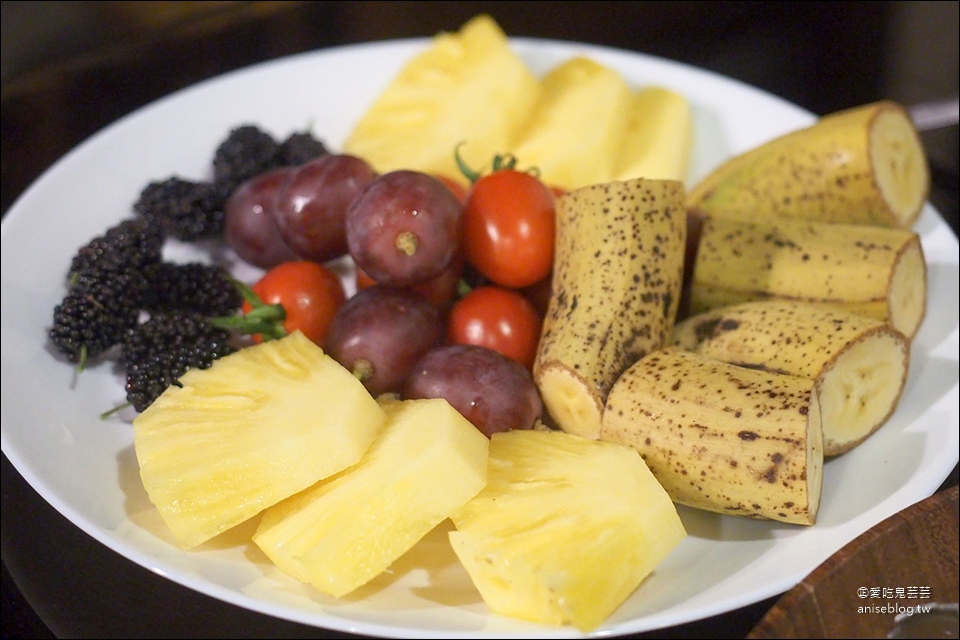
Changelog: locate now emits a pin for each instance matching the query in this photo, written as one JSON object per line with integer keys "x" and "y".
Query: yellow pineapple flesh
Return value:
{"x": 658, "y": 140}
{"x": 574, "y": 132}
{"x": 566, "y": 528}
{"x": 468, "y": 86}
{"x": 341, "y": 533}
{"x": 256, "y": 427}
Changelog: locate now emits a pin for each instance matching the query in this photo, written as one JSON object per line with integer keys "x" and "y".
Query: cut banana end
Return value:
{"x": 861, "y": 389}
{"x": 859, "y": 364}
{"x": 899, "y": 164}
{"x": 563, "y": 393}
{"x": 907, "y": 300}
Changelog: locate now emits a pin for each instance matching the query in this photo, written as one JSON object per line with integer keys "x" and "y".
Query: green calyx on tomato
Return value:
{"x": 299, "y": 295}
{"x": 500, "y": 162}
{"x": 508, "y": 224}
{"x": 263, "y": 319}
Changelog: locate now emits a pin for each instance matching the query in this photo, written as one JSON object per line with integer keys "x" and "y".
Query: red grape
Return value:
{"x": 492, "y": 391}
{"x": 311, "y": 207}
{"x": 404, "y": 229}
{"x": 381, "y": 332}
{"x": 249, "y": 226}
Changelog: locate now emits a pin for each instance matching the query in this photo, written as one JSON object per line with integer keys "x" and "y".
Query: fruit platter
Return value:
{"x": 94, "y": 439}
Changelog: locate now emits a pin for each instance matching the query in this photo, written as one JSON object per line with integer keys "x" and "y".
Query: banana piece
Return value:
{"x": 864, "y": 165}
{"x": 658, "y": 140}
{"x": 874, "y": 271}
{"x": 720, "y": 437}
{"x": 617, "y": 279}
{"x": 858, "y": 364}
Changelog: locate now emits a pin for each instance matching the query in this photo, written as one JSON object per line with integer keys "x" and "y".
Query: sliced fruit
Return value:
{"x": 721, "y": 437}
{"x": 615, "y": 291}
{"x": 658, "y": 140}
{"x": 569, "y": 149}
{"x": 870, "y": 270}
{"x": 468, "y": 87}
{"x": 343, "y": 532}
{"x": 566, "y": 528}
{"x": 864, "y": 165}
{"x": 859, "y": 363}
{"x": 256, "y": 427}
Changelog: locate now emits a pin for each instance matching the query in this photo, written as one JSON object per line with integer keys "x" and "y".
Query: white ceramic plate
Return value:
{"x": 86, "y": 468}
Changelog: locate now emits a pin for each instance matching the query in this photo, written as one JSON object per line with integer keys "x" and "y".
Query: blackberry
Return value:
{"x": 183, "y": 209}
{"x": 155, "y": 353}
{"x": 99, "y": 308}
{"x": 130, "y": 245}
{"x": 194, "y": 286}
{"x": 300, "y": 148}
{"x": 246, "y": 152}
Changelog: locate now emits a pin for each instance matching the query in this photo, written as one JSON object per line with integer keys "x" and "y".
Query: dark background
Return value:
{"x": 71, "y": 68}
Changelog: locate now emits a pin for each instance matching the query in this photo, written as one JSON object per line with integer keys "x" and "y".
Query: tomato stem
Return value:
{"x": 265, "y": 319}
{"x": 505, "y": 161}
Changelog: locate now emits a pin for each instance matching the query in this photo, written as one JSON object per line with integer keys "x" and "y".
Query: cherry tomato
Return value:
{"x": 497, "y": 318}
{"x": 508, "y": 227}
{"x": 309, "y": 292}
{"x": 441, "y": 290}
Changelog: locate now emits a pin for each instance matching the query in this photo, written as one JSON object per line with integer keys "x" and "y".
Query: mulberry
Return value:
{"x": 130, "y": 245}
{"x": 155, "y": 353}
{"x": 193, "y": 286}
{"x": 300, "y": 148}
{"x": 183, "y": 209}
{"x": 99, "y": 308}
{"x": 246, "y": 152}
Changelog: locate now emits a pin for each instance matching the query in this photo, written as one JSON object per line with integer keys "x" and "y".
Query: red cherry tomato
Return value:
{"x": 508, "y": 227}
{"x": 497, "y": 318}
{"x": 309, "y": 292}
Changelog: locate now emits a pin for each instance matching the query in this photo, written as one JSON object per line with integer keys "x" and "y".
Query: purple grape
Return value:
{"x": 381, "y": 332}
{"x": 490, "y": 390}
{"x": 249, "y": 226}
{"x": 311, "y": 208}
{"x": 404, "y": 228}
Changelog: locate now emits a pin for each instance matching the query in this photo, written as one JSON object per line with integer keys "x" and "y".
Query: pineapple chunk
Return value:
{"x": 256, "y": 427}
{"x": 575, "y": 131}
{"x": 658, "y": 140}
{"x": 565, "y": 529}
{"x": 468, "y": 86}
{"x": 343, "y": 532}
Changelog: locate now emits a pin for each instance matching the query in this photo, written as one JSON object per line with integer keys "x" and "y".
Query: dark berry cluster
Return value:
{"x": 124, "y": 299}
{"x": 193, "y": 286}
{"x": 192, "y": 210}
{"x": 183, "y": 209}
{"x": 119, "y": 278}
{"x": 155, "y": 353}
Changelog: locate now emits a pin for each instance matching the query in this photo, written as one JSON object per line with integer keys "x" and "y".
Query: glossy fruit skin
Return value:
{"x": 249, "y": 226}
{"x": 380, "y": 334}
{"x": 311, "y": 208}
{"x": 441, "y": 290}
{"x": 497, "y": 318}
{"x": 311, "y": 295}
{"x": 404, "y": 228}
{"x": 492, "y": 391}
{"x": 508, "y": 227}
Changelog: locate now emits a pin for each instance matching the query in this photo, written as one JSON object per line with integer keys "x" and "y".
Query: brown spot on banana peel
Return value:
{"x": 681, "y": 434}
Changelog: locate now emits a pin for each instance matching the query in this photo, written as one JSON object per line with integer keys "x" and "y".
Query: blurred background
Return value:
{"x": 71, "y": 68}
{"x": 104, "y": 59}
